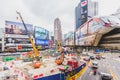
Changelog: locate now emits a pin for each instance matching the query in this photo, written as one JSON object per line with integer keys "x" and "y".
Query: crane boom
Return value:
{"x": 31, "y": 40}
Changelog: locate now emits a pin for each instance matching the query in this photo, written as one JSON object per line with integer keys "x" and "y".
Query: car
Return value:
{"x": 86, "y": 59}
{"x": 103, "y": 57}
{"x": 119, "y": 56}
{"x": 105, "y": 76}
{"x": 94, "y": 64}
{"x": 92, "y": 57}
{"x": 98, "y": 57}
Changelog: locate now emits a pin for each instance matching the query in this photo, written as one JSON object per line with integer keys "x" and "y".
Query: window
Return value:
{"x": 93, "y": 23}
{"x": 104, "y": 19}
{"x": 93, "y": 26}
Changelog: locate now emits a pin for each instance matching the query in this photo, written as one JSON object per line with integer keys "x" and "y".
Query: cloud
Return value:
{"x": 47, "y": 11}
{"x": 40, "y": 12}
{"x": 107, "y": 7}
{"x": 8, "y": 11}
{"x": 43, "y": 12}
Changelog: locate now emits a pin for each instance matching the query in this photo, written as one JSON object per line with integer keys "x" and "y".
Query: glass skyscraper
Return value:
{"x": 85, "y": 10}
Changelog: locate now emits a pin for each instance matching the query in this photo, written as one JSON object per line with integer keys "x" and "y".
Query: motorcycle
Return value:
{"x": 94, "y": 71}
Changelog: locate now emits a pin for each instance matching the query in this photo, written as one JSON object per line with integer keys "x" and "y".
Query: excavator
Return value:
{"x": 59, "y": 61}
{"x": 59, "y": 47}
{"x": 32, "y": 55}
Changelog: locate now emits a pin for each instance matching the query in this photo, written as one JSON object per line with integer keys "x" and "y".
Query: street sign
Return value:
{"x": 19, "y": 47}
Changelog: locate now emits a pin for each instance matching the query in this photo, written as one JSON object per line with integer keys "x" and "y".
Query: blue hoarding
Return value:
{"x": 41, "y": 33}
{"x": 41, "y": 42}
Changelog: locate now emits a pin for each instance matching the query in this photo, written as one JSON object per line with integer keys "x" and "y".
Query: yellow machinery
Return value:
{"x": 59, "y": 47}
{"x": 59, "y": 61}
{"x": 31, "y": 56}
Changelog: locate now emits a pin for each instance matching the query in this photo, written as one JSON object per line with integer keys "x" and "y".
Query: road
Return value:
{"x": 114, "y": 61}
{"x": 109, "y": 65}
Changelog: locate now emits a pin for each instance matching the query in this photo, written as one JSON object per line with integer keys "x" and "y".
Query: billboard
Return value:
{"x": 41, "y": 33}
{"x": 84, "y": 11}
{"x": 15, "y": 34}
{"x": 17, "y": 28}
{"x": 41, "y": 42}
{"x": 17, "y": 41}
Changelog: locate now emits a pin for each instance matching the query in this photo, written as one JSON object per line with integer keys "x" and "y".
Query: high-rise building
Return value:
{"x": 57, "y": 30}
{"x": 77, "y": 16}
{"x": 92, "y": 8}
{"x": 85, "y": 10}
{"x": 69, "y": 38}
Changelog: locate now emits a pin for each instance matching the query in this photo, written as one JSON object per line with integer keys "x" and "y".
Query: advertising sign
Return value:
{"x": 19, "y": 47}
{"x": 41, "y": 42}
{"x": 16, "y": 35}
{"x": 17, "y": 41}
{"x": 39, "y": 47}
{"x": 84, "y": 11}
{"x": 41, "y": 33}
{"x": 87, "y": 41}
{"x": 17, "y": 28}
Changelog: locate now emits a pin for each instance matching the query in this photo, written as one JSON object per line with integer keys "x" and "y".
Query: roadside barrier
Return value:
{"x": 69, "y": 75}
{"x": 21, "y": 74}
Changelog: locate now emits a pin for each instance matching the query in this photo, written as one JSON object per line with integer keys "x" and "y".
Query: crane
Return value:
{"x": 35, "y": 51}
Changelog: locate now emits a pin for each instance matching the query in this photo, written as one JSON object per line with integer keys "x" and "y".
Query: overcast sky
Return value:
{"x": 43, "y": 12}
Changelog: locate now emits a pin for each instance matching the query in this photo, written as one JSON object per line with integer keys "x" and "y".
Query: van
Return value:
{"x": 106, "y": 76}
{"x": 94, "y": 64}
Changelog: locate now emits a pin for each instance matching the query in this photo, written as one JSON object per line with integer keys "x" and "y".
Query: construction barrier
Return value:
{"x": 61, "y": 76}
{"x": 8, "y": 58}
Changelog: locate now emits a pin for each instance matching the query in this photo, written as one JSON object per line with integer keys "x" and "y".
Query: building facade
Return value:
{"x": 57, "y": 30}
{"x": 85, "y": 10}
{"x": 2, "y": 42}
{"x": 16, "y": 37}
{"x": 69, "y": 38}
